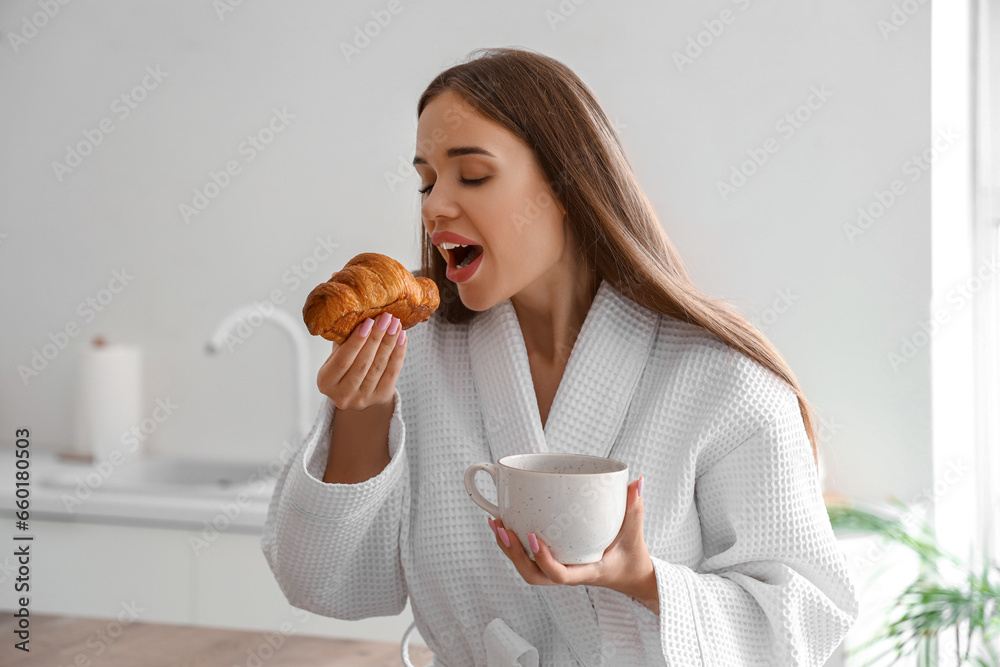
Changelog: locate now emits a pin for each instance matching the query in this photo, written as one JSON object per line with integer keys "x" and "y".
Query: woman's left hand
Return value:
{"x": 624, "y": 564}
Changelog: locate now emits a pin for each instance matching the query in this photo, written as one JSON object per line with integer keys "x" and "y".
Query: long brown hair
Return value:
{"x": 611, "y": 221}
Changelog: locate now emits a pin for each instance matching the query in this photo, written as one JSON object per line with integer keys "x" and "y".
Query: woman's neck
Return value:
{"x": 552, "y": 310}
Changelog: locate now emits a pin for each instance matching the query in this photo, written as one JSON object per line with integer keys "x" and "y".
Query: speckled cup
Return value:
{"x": 575, "y": 503}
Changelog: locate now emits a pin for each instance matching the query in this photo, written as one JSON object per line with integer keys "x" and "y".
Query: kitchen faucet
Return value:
{"x": 268, "y": 312}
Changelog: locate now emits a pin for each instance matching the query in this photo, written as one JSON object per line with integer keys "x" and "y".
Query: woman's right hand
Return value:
{"x": 362, "y": 371}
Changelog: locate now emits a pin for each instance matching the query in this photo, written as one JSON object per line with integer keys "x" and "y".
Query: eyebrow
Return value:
{"x": 456, "y": 151}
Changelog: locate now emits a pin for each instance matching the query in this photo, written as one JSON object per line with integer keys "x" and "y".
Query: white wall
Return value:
{"x": 783, "y": 233}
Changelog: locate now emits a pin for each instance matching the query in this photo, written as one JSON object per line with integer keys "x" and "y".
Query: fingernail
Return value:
{"x": 394, "y": 327}
{"x": 493, "y": 526}
{"x": 383, "y": 320}
{"x": 533, "y": 542}
{"x": 366, "y": 326}
{"x": 640, "y": 486}
{"x": 401, "y": 339}
{"x": 503, "y": 537}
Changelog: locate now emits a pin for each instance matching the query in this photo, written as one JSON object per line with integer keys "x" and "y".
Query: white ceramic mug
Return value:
{"x": 573, "y": 502}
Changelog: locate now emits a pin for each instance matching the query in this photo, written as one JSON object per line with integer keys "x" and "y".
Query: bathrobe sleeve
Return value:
{"x": 774, "y": 588}
{"x": 334, "y": 548}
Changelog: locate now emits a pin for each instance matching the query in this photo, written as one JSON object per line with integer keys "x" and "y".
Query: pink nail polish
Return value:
{"x": 393, "y": 326}
{"x": 504, "y": 538}
{"x": 493, "y": 526}
{"x": 366, "y": 326}
{"x": 401, "y": 339}
{"x": 533, "y": 542}
{"x": 641, "y": 479}
{"x": 383, "y": 321}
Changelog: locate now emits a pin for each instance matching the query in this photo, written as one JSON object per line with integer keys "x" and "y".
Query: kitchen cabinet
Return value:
{"x": 92, "y": 569}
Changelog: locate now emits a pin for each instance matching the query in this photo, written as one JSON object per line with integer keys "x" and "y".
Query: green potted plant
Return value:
{"x": 967, "y": 604}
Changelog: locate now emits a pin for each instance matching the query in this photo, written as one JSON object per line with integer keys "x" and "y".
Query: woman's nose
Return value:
{"x": 437, "y": 203}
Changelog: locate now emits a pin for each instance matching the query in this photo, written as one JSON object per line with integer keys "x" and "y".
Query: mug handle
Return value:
{"x": 470, "y": 487}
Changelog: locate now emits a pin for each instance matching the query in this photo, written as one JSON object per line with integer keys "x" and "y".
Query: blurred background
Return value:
{"x": 177, "y": 176}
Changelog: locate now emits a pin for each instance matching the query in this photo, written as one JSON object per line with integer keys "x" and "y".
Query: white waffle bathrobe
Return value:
{"x": 747, "y": 567}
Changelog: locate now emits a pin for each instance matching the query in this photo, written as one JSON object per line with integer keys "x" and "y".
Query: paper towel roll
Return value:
{"x": 108, "y": 400}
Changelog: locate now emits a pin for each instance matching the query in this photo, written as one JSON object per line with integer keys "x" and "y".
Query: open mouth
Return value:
{"x": 460, "y": 256}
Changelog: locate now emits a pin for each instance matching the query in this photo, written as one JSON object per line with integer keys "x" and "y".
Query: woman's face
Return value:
{"x": 486, "y": 186}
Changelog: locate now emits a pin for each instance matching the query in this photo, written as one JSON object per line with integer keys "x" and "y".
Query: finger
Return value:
{"x": 344, "y": 354}
{"x": 533, "y": 571}
{"x": 528, "y": 570}
{"x": 632, "y": 522}
{"x": 567, "y": 575}
{"x": 546, "y": 562}
{"x": 356, "y": 375}
{"x": 381, "y": 358}
{"x": 637, "y": 507}
{"x": 509, "y": 546}
{"x": 393, "y": 367}
{"x": 497, "y": 525}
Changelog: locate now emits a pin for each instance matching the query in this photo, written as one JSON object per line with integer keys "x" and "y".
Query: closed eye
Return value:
{"x": 466, "y": 181}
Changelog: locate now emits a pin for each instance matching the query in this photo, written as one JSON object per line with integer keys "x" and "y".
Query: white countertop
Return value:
{"x": 177, "y": 493}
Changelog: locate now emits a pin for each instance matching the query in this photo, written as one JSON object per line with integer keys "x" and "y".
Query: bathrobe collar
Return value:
{"x": 610, "y": 351}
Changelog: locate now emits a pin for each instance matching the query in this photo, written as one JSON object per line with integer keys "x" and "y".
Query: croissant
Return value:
{"x": 368, "y": 285}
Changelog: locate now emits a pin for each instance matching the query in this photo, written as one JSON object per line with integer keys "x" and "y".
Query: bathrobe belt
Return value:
{"x": 506, "y": 648}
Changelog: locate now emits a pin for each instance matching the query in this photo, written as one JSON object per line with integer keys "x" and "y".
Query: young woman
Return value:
{"x": 567, "y": 324}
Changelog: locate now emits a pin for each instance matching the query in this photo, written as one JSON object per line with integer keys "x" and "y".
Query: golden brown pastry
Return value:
{"x": 368, "y": 285}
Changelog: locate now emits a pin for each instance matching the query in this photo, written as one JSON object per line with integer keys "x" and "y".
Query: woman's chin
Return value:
{"x": 472, "y": 300}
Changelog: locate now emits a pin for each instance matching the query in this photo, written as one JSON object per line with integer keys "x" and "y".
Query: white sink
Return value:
{"x": 176, "y": 492}
{"x": 167, "y": 475}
